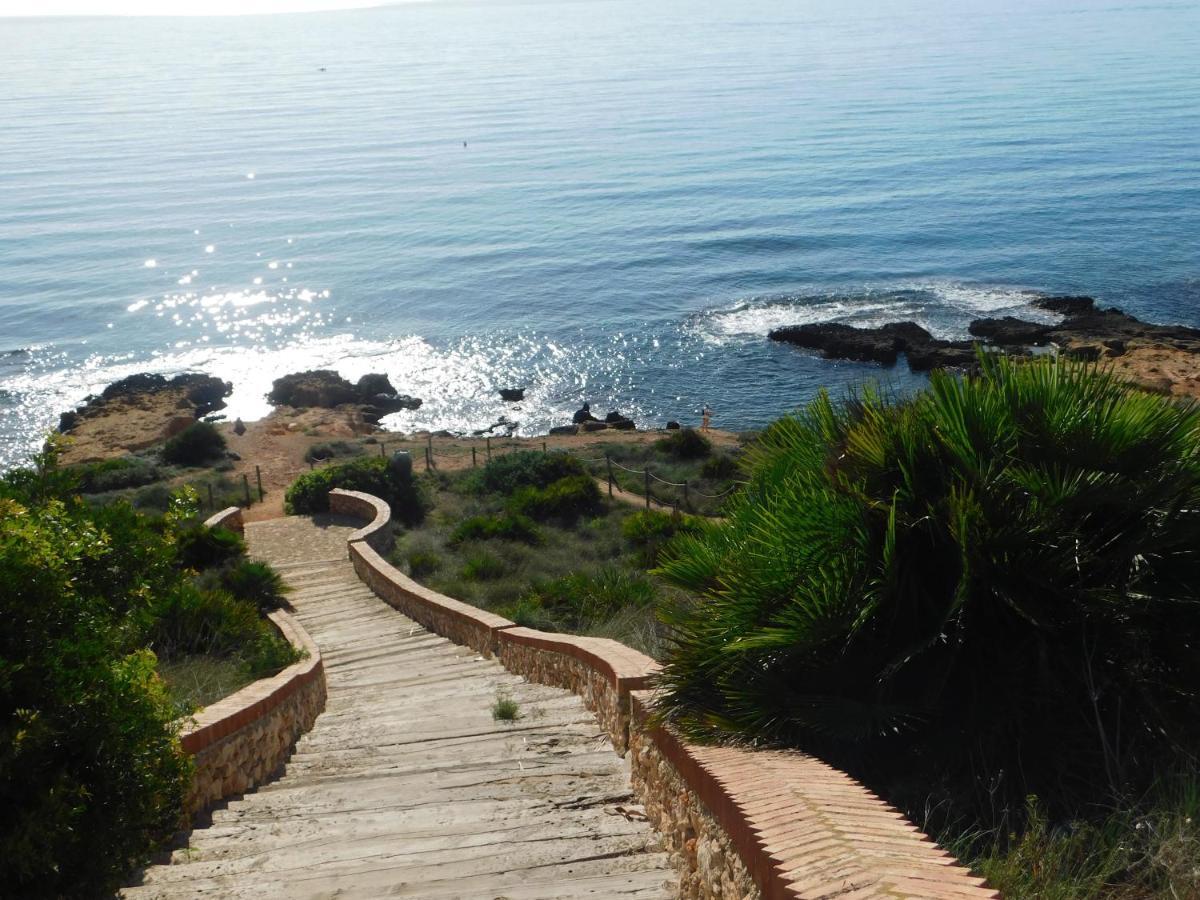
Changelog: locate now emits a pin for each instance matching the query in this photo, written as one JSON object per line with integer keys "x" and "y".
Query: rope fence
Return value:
{"x": 682, "y": 500}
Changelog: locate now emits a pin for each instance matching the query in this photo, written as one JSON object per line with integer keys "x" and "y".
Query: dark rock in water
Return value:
{"x": 317, "y": 387}
{"x": 512, "y": 395}
{"x": 565, "y": 429}
{"x": 326, "y": 389}
{"x": 200, "y": 395}
{"x": 583, "y": 414}
{"x": 443, "y": 433}
{"x": 672, "y": 425}
{"x": 594, "y": 425}
{"x": 375, "y": 383}
{"x": 942, "y": 355}
{"x": 623, "y": 425}
{"x": 838, "y": 341}
{"x": 1011, "y": 331}
{"x": 1067, "y": 306}
{"x": 1086, "y": 332}
{"x": 614, "y": 416}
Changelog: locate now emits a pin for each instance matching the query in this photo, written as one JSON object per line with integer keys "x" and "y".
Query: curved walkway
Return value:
{"x": 406, "y": 786}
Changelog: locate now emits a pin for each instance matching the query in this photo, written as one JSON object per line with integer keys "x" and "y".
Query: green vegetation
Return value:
{"x": 332, "y": 450}
{"x": 979, "y": 594}
{"x": 94, "y": 597}
{"x": 505, "y": 709}
{"x": 573, "y": 570}
{"x": 116, "y": 474}
{"x": 505, "y": 526}
{"x": 712, "y": 475}
{"x": 565, "y": 500}
{"x": 196, "y": 445}
{"x": 310, "y": 492}
{"x": 686, "y": 443}
{"x": 525, "y": 469}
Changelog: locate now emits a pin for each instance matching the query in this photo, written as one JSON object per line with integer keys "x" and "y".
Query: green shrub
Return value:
{"x": 505, "y": 709}
{"x": 686, "y": 443}
{"x": 201, "y": 547}
{"x": 650, "y": 530}
{"x": 197, "y": 444}
{"x": 257, "y": 583}
{"x": 526, "y": 468}
{"x": 91, "y": 773}
{"x": 156, "y": 497}
{"x": 116, "y": 474}
{"x": 578, "y": 601}
{"x": 484, "y": 567}
{"x": 423, "y": 563}
{"x": 190, "y": 620}
{"x": 507, "y": 526}
{"x": 331, "y": 450}
{"x": 719, "y": 467}
{"x": 566, "y": 499}
{"x": 310, "y": 492}
{"x": 991, "y": 584}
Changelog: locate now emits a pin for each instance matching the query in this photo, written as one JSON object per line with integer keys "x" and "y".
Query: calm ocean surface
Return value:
{"x": 646, "y": 189}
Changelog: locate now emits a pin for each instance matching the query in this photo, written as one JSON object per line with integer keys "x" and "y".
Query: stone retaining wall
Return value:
{"x": 378, "y": 530}
{"x": 238, "y": 742}
{"x": 740, "y": 824}
{"x": 601, "y": 671}
{"x": 230, "y": 517}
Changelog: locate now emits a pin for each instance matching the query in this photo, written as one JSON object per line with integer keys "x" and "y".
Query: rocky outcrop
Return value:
{"x": 192, "y": 394}
{"x": 512, "y": 395}
{"x": 1086, "y": 332}
{"x": 327, "y": 389}
{"x": 138, "y": 412}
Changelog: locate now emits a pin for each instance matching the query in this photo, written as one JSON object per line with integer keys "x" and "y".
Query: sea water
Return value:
{"x": 596, "y": 200}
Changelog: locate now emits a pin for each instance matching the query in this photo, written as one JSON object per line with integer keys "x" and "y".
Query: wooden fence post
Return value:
{"x": 608, "y": 462}
{"x": 647, "y": 488}
{"x": 473, "y": 462}
{"x": 246, "y": 487}
{"x": 489, "y": 448}
{"x": 258, "y": 475}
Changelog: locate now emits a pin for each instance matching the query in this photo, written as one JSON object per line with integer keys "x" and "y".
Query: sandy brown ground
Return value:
{"x": 1164, "y": 370}
{"x": 278, "y": 443}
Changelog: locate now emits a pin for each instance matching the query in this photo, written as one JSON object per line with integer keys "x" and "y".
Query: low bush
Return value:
{"x": 686, "y": 443}
{"x": 526, "y": 468}
{"x": 989, "y": 586}
{"x": 566, "y": 499}
{"x": 484, "y": 566}
{"x": 257, "y": 583}
{"x": 116, "y": 474}
{"x": 310, "y": 492}
{"x": 331, "y": 450}
{"x": 200, "y": 547}
{"x": 719, "y": 467}
{"x": 422, "y": 563}
{"x": 506, "y": 526}
{"x": 197, "y": 444}
{"x": 578, "y": 601}
{"x": 649, "y": 530}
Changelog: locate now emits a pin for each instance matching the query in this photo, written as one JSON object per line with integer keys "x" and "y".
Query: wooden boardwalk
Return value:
{"x": 406, "y": 786}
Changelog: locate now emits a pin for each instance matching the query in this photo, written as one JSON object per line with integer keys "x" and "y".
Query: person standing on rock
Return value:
{"x": 706, "y": 419}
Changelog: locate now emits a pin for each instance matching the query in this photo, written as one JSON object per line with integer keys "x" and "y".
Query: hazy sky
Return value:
{"x": 172, "y": 7}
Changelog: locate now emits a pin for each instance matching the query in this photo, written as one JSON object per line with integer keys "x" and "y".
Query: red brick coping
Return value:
{"x": 801, "y": 829}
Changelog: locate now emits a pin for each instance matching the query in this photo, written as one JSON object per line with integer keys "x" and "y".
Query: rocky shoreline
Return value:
{"x": 1163, "y": 358}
